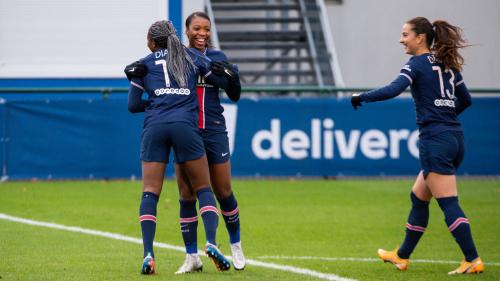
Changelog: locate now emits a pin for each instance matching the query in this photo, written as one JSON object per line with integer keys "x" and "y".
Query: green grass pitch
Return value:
{"x": 283, "y": 221}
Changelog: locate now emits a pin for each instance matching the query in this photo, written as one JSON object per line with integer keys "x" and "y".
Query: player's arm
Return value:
{"x": 135, "y": 102}
{"x": 136, "y": 69}
{"x": 135, "y": 73}
{"x": 463, "y": 98}
{"x": 395, "y": 88}
{"x": 203, "y": 64}
{"x": 230, "y": 71}
{"x": 392, "y": 90}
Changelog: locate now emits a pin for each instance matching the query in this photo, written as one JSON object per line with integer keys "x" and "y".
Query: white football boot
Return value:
{"x": 239, "y": 261}
{"x": 191, "y": 264}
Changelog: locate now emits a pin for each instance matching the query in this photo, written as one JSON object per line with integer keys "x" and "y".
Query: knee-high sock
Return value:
{"x": 415, "y": 226}
{"x": 189, "y": 225}
{"x": 147, "y": 217}
{"x": 231, "y": 215}
{"x": 208, "y": 212}
{"x": 458, "y": 225}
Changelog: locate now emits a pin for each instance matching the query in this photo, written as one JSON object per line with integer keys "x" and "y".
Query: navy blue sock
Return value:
{"x": 415, "y": 226}
{"x": 458, "y": 225}
{"x": 147, "y": 213}
{"x": 231, "y": 215}
{"x": 208, "y": 212}
{"x": 189, "y": 225}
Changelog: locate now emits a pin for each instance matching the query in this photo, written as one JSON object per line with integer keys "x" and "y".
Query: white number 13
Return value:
{"x": 441, "y": 83}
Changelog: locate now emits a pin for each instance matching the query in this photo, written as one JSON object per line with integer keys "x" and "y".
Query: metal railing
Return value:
{"x": 214, "y": 35}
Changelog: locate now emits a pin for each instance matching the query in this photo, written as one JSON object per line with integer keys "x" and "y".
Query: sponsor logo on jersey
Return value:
{"x": 444, "y": 102}
{"x": 172, "y": 91}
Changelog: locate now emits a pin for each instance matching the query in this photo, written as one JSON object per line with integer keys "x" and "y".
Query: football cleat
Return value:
{"x": 238, "y": 257}
{"x": 392, "y": 257}
{"x": 191, "y": 264}
{"x": 148, "y": 265}
{"x": 475, "y": 266}
{"x": 221, "y": 263}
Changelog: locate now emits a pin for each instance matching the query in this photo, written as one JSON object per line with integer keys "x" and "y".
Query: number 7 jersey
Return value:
{"x": 169, "y": 101}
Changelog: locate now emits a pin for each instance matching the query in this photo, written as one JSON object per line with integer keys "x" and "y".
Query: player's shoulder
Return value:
{"x": 148, "y": 59}
{"x": 194, "y": 53}
{"x": 415, "y": 63}
{"x": 216, "y": 55}
{"x": 424, "y": 59}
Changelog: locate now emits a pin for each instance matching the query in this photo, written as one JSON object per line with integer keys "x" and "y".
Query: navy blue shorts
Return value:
{"x": 216, "y": 146}
{"x": 441, "y": 153}
{"x": 183, "y": 138}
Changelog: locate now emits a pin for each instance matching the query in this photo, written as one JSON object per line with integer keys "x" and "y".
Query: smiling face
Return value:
{"x": 414, "y": 43}
{"x": 198, "y": 33}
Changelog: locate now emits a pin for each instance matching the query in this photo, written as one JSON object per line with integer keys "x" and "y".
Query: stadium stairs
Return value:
{"x": 274, "y": 43}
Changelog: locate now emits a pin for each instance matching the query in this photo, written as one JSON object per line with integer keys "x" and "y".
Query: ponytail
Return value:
{"x": 447, "y": 40}
{"x": 443, "y": 39}
{"x": 179, "y": 63}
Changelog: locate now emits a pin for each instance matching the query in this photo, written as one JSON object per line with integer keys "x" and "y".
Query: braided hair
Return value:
{"x": 179, "y": 63}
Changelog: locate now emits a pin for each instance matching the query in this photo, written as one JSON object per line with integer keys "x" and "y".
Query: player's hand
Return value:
{"x": 135, "y": 69}
{"x": 224, "y": 68}
{"x": 356, "y": 100}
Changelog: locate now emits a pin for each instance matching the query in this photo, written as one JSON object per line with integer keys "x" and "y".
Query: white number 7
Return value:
{"x": 165, "y": 72}
{"x": 441, "y": 83}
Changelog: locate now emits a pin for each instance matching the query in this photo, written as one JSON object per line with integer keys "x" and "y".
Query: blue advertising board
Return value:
{"x": 326, "y": 137}
{"x": 86, "y": 136}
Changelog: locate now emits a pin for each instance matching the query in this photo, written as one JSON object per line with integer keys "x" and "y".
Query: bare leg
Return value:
{"x": 220, "y": 177}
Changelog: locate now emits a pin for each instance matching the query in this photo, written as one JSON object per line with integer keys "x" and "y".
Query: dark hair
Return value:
{"x": 201, "y": 15}
{"x": 443, "y": 39}
{"x": 196, "y": 14}
{"x": 179, "y": 63}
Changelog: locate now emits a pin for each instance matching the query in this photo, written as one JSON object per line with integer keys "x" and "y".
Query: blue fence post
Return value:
{"x": 3, "y": 139}
{"x": 175, "y": 15}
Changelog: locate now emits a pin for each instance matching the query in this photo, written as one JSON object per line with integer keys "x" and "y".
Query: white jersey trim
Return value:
{"x": 137, "y": 85}
{"x": 407, "y": 76}
{"x": 459, "y": 82}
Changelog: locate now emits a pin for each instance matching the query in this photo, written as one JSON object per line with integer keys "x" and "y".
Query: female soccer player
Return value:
{"x": 440, "y": 94}
{"x": 213, "y": 130}
{"x": 170, "y": 121}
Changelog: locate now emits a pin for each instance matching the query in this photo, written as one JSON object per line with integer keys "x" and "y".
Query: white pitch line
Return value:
{"x": 293, "y": 269}
{"x": 360, "y": 259}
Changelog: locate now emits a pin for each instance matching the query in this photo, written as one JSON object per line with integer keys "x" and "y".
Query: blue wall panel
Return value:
{"x": 83, "y": 136}
{"x": 72, "y": 139}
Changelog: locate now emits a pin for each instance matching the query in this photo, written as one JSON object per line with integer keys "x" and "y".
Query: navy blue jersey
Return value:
{"x": 440, "y": 94}
{"x": 168, "y": 101}
{"x": 209, "y": 106}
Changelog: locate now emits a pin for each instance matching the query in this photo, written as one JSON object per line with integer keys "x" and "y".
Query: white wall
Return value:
{"x": 70, "y": 38}
{"x": 367, "y": 32}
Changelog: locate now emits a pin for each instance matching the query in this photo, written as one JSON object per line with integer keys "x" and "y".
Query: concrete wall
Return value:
{"x": 366, "y": 34}
{"x": 70, "y": 38}
{"x": 81, "y": 39}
